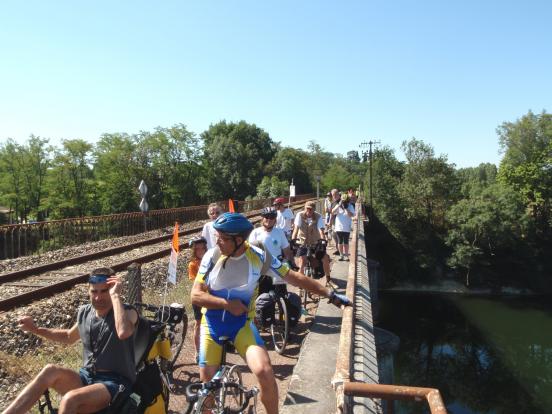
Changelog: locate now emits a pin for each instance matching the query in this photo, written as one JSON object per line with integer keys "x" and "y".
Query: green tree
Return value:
{"x": 36, "y": 160}
{"x": 71, "y": 185}
{"x": 272, "y": 187}
{"x": 490, "y": 224}
{"x": 291, "y": 164}
{"x": 235, "y": 157}
{"x": 12, "y": 166}
{"x": 527, "y": 165}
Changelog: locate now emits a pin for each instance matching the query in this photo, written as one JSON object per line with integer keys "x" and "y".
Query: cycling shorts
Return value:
{"x": 210, "y": 352}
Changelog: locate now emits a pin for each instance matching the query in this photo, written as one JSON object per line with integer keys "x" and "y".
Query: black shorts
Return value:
{"x": 343, "y": 237}
{"x": 197, "y": 312}
{"x": 319, "y": 253}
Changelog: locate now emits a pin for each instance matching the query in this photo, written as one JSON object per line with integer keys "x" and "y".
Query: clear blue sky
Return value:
{"x": 337, "y": 72}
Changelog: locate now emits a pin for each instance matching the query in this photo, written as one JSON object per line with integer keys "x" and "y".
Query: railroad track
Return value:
{"x": 60, "y": 278}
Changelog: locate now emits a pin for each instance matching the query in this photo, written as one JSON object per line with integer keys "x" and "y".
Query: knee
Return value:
{"x": 68, "y": 403}
{"x": 264, "y": 372}
{"x": 49, "y": 373}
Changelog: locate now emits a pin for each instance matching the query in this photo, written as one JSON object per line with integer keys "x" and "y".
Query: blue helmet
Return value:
{"x": 235, "y": 224}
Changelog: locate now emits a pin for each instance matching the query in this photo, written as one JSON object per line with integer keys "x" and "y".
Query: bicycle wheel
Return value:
{"x": 279, "y": 328}
{"x": 232, "y": 398}
{"x": 304, "y": 292}
{"x": 177, "y": 335}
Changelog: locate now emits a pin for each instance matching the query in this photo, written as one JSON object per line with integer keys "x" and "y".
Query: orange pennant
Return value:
{"x": 231, "y": 208}
{"x": 175, "y": 244}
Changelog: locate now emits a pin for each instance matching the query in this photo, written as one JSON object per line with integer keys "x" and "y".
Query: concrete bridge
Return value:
{"x": 345, "y": 360}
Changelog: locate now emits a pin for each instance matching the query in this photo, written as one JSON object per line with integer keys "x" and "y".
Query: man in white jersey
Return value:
{"x": 284, "y": 219}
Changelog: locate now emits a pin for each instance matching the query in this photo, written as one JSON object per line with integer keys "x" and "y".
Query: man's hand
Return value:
{"x": 339, "y": 300}
{"x": 115, "y": 285}
{"x": 236, "y": 307}
{"x": 26, "y": 324}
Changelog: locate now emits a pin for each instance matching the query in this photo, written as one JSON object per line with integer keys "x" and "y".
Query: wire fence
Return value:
{"x": 18, "y": 240}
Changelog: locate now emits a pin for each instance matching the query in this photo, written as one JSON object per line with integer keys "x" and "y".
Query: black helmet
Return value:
{"x": 269, "y": 212}
{"x": 195, "y": 240}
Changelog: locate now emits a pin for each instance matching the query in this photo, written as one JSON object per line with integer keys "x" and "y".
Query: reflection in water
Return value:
{"x": 484, "y": 355}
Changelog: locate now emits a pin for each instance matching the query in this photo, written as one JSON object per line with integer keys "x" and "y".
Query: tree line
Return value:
{"x": 39, "y": 181}
{"x": 490, "y": 225}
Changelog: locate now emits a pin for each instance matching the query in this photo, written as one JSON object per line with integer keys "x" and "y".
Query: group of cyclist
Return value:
{"x": 227, "y": 263}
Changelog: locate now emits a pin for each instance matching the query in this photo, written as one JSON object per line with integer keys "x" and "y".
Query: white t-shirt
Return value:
{"x": 210, "y": 234}
{"x": 342, "y": 220}
{"x": 274, "y": 241}
{"x": 309, "y": 221}
{"x": 284, "y": 220}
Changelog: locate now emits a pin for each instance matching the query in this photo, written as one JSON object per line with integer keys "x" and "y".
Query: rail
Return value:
{"x": 34, "y": 238}
{"x": 397, "y": 392}
{"x": 347, "y": 387}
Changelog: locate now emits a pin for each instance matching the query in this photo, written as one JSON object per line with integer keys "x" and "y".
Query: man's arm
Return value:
{"x": 310, "y": 284}
{"x": 202, "y": 297}
{"x": 65, "y": 336}
{"x": 125, "y": 319}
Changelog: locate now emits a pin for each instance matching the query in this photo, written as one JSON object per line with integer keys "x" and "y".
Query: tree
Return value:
{"x": 37, "y": 160}
{"x": 272, "y": 187}
{"x": 235, "y": 156}
{"x": 527, "y": 165}
{"x": 291, "y": 164}
{"x": 12, "y": 182}
{"x": 116, "y": 186}
{"x": 71, "y": 182}
{"x": 489, "y": 224}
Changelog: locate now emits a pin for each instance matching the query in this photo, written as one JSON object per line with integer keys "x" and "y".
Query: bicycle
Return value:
{"x": 174, "y": 316}
{"x": 279, "y": 322}
{"x": 310, "y": 270}
{"x": 224, "y": 393}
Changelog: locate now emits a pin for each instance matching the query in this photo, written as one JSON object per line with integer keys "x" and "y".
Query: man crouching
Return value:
{"x": 105, "y": 326}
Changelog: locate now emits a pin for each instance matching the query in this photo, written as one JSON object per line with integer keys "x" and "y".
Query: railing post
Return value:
{"x": 134, "y": 283}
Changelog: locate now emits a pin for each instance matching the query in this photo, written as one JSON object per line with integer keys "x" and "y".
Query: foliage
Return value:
{"x": 235, "y": 157}
{"x": 527, "y": 165}
{"x": 272, "y": 187}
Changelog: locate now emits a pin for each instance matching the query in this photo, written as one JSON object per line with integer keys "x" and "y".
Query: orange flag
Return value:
{"x": 231, "y": 208}
{"x": 175, "y": 244}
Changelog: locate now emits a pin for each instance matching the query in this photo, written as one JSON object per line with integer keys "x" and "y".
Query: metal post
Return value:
{"x": 134, "y": 283}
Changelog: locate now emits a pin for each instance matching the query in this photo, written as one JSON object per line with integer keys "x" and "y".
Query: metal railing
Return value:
{"x": 34, "y": 238}
{"x": 397, "y": 392}
{"x": 345, "y": 388}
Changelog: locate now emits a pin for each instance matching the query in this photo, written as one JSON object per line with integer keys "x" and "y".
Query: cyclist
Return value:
{"x": 226, "y": 287}
{"x": 272, "y": 238}
{"x": 309, "y": 229}
{"x": 105, "y": 326}
{"x": 208, "y": 233}
{"x": 284, "y": 219}
{"x": 199, "y": 247}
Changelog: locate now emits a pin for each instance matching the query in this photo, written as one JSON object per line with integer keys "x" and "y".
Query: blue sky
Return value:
{"x": 335, "y": 72}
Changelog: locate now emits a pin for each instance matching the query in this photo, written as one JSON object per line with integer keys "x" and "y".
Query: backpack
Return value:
{"x": 265, "y": 309}
{"x": 293, "y": 305}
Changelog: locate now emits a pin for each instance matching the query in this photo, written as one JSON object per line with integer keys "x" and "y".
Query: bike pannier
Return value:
{"x": 293, "y": 304}
{"x": 264, "y": 309}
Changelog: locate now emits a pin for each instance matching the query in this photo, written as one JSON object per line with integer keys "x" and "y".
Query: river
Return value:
{"x": 485, "y": 355}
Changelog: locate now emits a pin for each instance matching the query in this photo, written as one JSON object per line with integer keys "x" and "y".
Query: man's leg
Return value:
{"x": 259, "y": 362}
{"x": 85, "y": 400}
{"x": 301, "y": 261}
{"x": 61, "y": 379}
{"x": 326, "y": 265}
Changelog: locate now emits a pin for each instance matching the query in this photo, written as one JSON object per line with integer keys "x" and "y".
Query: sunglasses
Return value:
{"x": 94, "y": 279}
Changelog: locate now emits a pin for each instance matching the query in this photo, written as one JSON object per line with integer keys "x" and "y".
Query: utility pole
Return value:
{"x": 363, "y": 145}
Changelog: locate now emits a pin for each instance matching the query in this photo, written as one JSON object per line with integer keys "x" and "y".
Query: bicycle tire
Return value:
{"x": 304, "y": 292}
{"x": 233, "y": 398}
{"x": 279, "y": 328}
{"x": 177, "y": 336}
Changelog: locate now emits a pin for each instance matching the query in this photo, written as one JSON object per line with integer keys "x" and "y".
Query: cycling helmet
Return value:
{"x": 279, "y": 200}
{"x": 234, "y": 224}
{"x": 269, "y": 212}
{"x": 195, "y": 240}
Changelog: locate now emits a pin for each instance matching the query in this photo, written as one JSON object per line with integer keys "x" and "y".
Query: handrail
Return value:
{"x": 397, "y": 392}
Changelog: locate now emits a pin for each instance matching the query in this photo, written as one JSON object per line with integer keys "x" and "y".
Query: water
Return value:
{"x": 484, "y": 355}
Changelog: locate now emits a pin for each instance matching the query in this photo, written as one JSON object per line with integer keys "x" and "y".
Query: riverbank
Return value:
{"x": 455, "y": 288}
